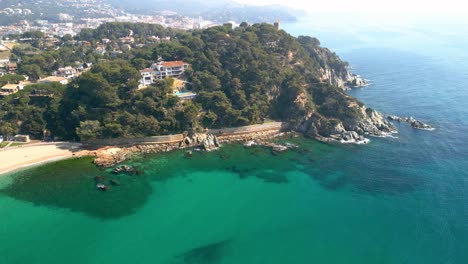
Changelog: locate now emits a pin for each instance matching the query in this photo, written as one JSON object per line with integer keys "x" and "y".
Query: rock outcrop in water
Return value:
{"x": 351, "y": 129}
{"x": 410, "y": 120}
{"x": 275, "y": 147}
{"x": 206, "y": 141}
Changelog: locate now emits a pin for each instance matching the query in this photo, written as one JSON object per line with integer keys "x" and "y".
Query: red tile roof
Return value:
{"x": 170, "y": 64}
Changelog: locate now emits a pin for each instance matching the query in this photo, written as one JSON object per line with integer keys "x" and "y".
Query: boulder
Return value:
{"x": 188, "y": 141}
{"x": 210, "y": 142}
{"x": 350, "y": 136}
{"x": 216, "y": 141}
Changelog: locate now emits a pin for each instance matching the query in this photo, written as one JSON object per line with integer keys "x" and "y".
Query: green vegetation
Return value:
{"x": 242, "y": 76}
{"x": 14, "y": 144}
{"x": 11, "y": 78}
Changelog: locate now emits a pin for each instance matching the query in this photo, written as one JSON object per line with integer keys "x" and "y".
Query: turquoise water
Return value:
{"x": 395, "y": 200}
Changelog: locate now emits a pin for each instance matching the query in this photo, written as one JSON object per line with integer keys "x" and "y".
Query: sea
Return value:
{"x": 401, "y": 199}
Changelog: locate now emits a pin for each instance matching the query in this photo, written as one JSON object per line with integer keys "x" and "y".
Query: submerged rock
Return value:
{"x": 114, "y": 182}
{"x": 250, "y": 143}
{"x": 279, "y": 148}
{"x": 275, "y": 147}
{"x": 102, "y": 187}
{"x": 99, "y": 178}
{"x": 125, "y": 169}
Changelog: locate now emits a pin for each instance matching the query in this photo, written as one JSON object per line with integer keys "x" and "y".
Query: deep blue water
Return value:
{"x": 417, "y": 71}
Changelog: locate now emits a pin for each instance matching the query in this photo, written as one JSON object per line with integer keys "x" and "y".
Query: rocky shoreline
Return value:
{"x": 372, "y": 124}
{"x": 319, "y": 128}
{"x": 110, "y": 156}
{"x": 351, "y": 130}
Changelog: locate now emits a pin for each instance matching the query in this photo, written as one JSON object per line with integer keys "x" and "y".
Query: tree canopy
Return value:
{"x": 242, "y": 76}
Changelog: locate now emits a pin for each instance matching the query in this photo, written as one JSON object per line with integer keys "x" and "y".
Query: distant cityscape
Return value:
{"x": 71, "y": 25}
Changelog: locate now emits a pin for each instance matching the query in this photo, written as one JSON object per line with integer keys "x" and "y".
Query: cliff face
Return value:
{"x": 331, "y": 68}
{"x": 341, "y": 79}
{"x": 323, "y": 110}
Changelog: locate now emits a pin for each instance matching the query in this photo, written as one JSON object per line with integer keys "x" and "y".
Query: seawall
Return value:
{"x": 122, "y": 148}
{"x": 221, "y": 133}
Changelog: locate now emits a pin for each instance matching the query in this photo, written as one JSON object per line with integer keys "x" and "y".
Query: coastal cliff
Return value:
{"x": 331, "y": 69}
{"x": 342, "y": 79}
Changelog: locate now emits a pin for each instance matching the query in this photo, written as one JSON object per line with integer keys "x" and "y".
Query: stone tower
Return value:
{"x": 277, "y": 24}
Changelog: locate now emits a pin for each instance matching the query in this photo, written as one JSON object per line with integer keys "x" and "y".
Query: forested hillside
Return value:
{"x": 242, "y": 76}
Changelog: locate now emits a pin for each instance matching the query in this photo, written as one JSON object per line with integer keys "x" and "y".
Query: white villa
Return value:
{"x": 160, "y": 70}
{"x": 66, "y": 72}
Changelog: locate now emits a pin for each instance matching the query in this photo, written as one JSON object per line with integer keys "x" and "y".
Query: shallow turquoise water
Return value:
{"x": 402, "y": 200}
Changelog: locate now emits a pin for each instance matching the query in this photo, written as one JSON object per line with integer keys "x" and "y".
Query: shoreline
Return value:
{"x": 26, "y": 156}
{"x": 31, "y": 164}
{"x": 110, "y": 154}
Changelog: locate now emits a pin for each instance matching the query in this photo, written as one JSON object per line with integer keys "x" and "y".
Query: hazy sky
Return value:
{"x": 430, "y": 7}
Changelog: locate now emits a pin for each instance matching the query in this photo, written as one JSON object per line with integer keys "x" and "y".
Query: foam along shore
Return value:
{"x": 35, "y": 154}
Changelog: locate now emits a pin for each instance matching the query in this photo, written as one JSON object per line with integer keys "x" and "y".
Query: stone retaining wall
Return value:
{"x": 170, "y": 139}
{"x": 277, "y": 126}
{"x": 167, "y": 139}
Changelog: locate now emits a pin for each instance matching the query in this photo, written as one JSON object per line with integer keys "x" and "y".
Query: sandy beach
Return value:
{"x": 33, "y": 154}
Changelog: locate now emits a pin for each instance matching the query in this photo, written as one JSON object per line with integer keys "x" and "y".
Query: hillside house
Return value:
{"x": 4, "y": 62}
{"x": 22, "y": 138}
{"x": 100, "y": 50}
{"x": 12, "y": 67}
{"x": 126, "y": 47}
{"x": 160, "y": 70}
{"x": 66, "y": 72}
{"x": 169, "y": 68}
{"x": 10, "y": 88}
{"x": 147, "y": 77}
{"x": 127, "y": 39}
